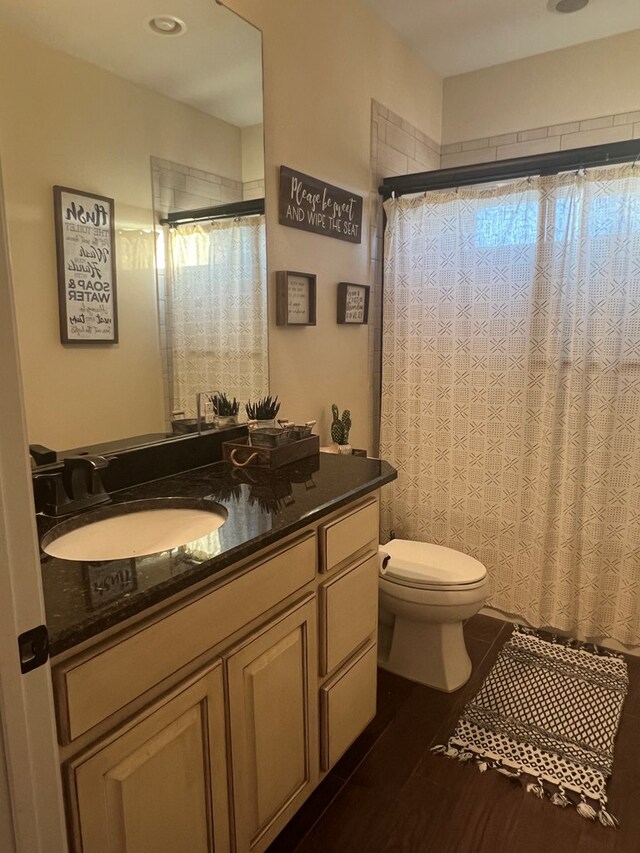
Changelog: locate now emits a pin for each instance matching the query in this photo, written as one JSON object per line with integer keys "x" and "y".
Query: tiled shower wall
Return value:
{"x": 177, "y": 187}
{"x": 540, "y": 140}
{"x": 397, "y": 148}
{"x": 252, "y": 189}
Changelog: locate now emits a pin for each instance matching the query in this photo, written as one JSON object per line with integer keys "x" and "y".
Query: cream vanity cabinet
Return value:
{"x": 159, "y": 784}
{"x": 273, "y": 724}
{"x": 205, "y": 726}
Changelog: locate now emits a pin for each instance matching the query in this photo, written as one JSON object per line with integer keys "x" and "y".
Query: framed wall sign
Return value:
{"x": 353, "y": 303}
{"x": 295, "y": 298}
{"x": 85, "y": 248}
{"x": 314, "y": 205}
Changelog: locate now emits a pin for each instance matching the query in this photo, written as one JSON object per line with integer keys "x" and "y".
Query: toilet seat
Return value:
{"x": 423, "y": 565}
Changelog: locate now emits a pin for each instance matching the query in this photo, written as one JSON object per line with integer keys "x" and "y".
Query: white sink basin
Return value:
{"x": 135, "y": 534}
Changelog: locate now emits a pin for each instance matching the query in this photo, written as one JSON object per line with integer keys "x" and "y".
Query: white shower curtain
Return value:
{"x": 216, "y": 278}
{"x": 511, "y": 390}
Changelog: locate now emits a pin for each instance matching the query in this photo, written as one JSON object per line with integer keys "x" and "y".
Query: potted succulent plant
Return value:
{"x": 263, "y": 412}
{"x": 340, "y": 427}
{"x": 226, "y": 410}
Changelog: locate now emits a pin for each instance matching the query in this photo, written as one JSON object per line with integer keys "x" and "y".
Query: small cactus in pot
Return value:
{"x": 340, "y": 427}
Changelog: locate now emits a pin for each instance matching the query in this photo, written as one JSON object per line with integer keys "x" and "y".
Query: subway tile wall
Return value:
{"x": 540, "y": 140}
{"x": 252, "y": 189}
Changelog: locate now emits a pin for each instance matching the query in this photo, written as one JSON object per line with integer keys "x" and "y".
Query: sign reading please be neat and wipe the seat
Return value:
{"x": 313, "y": 205}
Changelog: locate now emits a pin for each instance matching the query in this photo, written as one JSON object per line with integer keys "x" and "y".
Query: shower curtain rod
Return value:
{"x": 516, "y": 167}
{"x": 254, "y": 207}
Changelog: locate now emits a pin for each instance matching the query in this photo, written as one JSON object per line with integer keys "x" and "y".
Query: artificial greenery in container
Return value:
{"x": 340, "y": 427}
{"x": 225, "y": 409}
{"x": 264, "y": 409}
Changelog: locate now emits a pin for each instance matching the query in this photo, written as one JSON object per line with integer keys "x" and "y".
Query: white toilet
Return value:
{"x": 426, "y": 593}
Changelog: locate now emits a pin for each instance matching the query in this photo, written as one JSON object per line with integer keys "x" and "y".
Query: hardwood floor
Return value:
{"x": 390, "y": 794}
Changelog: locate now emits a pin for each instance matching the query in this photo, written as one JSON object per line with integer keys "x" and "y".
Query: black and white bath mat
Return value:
{"x": 548, "y": 712}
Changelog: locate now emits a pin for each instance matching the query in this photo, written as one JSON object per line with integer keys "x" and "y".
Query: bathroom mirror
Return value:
{"x": 158, "y": 107}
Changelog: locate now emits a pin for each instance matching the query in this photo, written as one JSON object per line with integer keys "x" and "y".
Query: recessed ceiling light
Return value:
{"x": 166, "y": 25}
{"x": 567, "y": 6}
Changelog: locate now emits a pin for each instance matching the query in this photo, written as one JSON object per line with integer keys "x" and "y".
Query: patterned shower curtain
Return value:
{"x": 511, "y": 390}
{"x": 216, "y": 276}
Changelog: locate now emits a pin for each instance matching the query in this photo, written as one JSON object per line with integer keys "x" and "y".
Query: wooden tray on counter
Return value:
{"x": 243, "y": 455}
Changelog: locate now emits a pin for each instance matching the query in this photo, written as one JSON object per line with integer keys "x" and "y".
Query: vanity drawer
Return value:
{"x": 349, "y": 612}
{"x": 347, "y": 704}
{"x": 101, "y": 684}
{"x": 348, "y": 534}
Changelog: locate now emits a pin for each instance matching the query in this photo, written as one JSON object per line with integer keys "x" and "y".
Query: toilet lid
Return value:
{"x": 424, "y": 564}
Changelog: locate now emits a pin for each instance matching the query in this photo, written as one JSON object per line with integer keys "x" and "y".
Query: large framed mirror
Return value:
{"x": 158, "y": 107}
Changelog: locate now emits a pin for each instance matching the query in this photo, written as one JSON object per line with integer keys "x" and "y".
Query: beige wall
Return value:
{"x": 599, "y": 78}
{"x": 63, "y": 121}
{"x": 323, "y": 63}
{"x": 253, "y": 153}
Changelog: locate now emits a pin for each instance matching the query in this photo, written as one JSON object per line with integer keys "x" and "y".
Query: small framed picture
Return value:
{"x": 295, "y": 298}
{"x": 353, "y": 303}
{"x": 85, "y": 248}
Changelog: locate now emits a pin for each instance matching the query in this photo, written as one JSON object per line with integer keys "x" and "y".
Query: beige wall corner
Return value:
{"x": 591, "y": 80}
{"x": 323, "y": 63}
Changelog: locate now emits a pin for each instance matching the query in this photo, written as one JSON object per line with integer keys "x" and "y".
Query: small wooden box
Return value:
{"x": 242, "y": 454}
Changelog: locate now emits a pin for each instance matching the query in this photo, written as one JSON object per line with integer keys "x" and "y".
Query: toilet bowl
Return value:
{"x": 426, "y": 593}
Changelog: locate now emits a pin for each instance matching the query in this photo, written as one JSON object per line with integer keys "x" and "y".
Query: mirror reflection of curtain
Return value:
{"x": 216, "y": 281}
{"x": 511, "y": 389}
{"x": 135, "y": 249}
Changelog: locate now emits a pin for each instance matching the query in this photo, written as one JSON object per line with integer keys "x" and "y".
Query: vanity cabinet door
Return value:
{"x": 273, "y": 713}
{"x": 158, "y": 785}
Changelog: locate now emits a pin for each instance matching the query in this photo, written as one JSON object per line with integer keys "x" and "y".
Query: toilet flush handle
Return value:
{"x": 383, "y": 559}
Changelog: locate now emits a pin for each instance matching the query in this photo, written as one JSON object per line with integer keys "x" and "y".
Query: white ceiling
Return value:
{"x": 455, "y": 36}
{"x": 216, "y": 66}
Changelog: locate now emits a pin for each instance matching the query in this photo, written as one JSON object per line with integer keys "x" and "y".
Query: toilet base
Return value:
{"x": 443, "y": 662}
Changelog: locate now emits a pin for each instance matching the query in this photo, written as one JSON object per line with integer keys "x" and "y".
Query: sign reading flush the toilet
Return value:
{"x": 85, "y": 246}
{"x": 314, "y": 205}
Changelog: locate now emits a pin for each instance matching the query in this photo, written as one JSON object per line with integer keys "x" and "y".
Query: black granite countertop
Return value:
{"x": 83, "y": 599}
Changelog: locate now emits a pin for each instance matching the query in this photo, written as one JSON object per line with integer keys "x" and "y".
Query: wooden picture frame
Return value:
{"x": 353, "y": 303}
{"x": 86, "y": 265}
{"x": 295, "y": 298}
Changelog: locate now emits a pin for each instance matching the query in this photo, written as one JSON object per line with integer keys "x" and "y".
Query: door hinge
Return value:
{"x": 33, "y": 648}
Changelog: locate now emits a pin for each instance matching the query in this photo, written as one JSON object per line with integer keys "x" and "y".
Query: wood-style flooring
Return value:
{"x": 390, "y": 794}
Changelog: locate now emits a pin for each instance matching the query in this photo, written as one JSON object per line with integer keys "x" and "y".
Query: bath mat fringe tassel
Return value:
{"x": 606, "y": 818}
{"x": 540, "y": 788}
{"x": 585, "y": 810}
{"x": 536, "y": 790}
{"x": 557, "y": 749}
{"x": 560, "y": 798}
{"x": 569, "y": 642}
